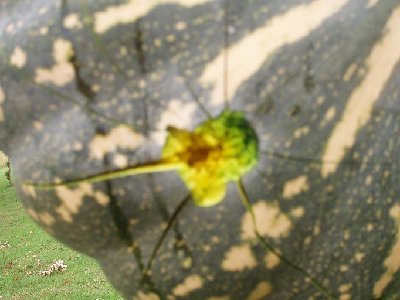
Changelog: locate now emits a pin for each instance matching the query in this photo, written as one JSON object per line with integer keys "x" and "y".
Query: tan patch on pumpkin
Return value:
{"x": 43, "y": 10}
{"x": 372, "y": 3}
{"x": 271, "y": 260}
{"x": 37, "y": 125}
{"x": 120, "y": 160}
{"x": 344, "y": 268}
{"x": 190, "y": 284}
{"x": 297, "y": 212}
{"x": 330, "y": 114}
{"x": 29, "y": 191}
{"x": 72, "y": 21}
{"x": 345, "y": 288}
{"x": 302, "y": 131}
{"x": 359, "y": 256}
{"x": 2, "y": 99}
{"x": 65, "y": 214}
{"x": 179, "y": 26}
{"x": 44, "y": 30}
{"x": 146, "y": 296}
{"x": 381, "y": 62}
{"x": 317, "y": 228}
{"x": 32, "y": 213}
{"x": 178, "y": 114}
{"x": 392, "y": 262}
{"x": 262, "y": 290}
{"x": 10, "y": 29}
{"x": 72, "y": 199}
{"x": 219, "y": 298}
{"x": 131, "y": 11}
{"x": 368, "y": 180}
{"x": 187, "y": 263}
{"x": 258, "y": 46}
{"x": 102, "y": 198}
{"x": 270, "y": 221}
{"x": 295, "y": 186}
{"x": 46, "y": 219}
{"x": 18, "y": 57}
{"x": 348, "y": 74}
{"x": 239, "y": 258}
{"x": 77, "y": 146}
{"x": 345, "y": 296}
{"x": 119, "y": 137}
{"x": 320, "y": 100}
{"x": 62, "y": 72}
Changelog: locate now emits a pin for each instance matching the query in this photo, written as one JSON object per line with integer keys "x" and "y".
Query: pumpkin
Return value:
{"x": 88, "y": 87}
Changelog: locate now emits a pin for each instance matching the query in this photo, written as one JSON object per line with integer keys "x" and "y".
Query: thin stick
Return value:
{"x": 68, "y": 99}
{"x": 318, "y": 161}
{"x": 246, "y": 202}
{"x": 196, "y": 99}
{"x": 302, "y": 159}
{"x": 129, "y": 171}
{"x": 225, "y": 54}
{"x": 171, "y": 222}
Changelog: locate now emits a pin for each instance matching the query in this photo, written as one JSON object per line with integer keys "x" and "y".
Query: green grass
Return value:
{"x": 32, "y": 250}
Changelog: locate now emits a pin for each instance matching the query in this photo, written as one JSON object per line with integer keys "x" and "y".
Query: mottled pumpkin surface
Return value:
{"x": 91, "y": 86}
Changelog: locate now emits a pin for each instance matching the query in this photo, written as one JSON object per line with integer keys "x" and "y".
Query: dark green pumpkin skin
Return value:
{"x": 69, "y": 79}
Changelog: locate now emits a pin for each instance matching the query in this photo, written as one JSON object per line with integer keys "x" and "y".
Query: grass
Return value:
{"x": 32, "y": 250}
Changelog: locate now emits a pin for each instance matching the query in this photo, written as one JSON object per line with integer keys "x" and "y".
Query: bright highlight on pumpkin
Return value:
{"x": 218, "y": 151}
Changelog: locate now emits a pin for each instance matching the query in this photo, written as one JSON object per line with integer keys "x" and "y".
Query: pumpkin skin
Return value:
{"x": 81, "y": 94}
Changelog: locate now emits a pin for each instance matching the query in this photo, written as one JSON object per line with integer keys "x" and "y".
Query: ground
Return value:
{"x": 29, "y": 250}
